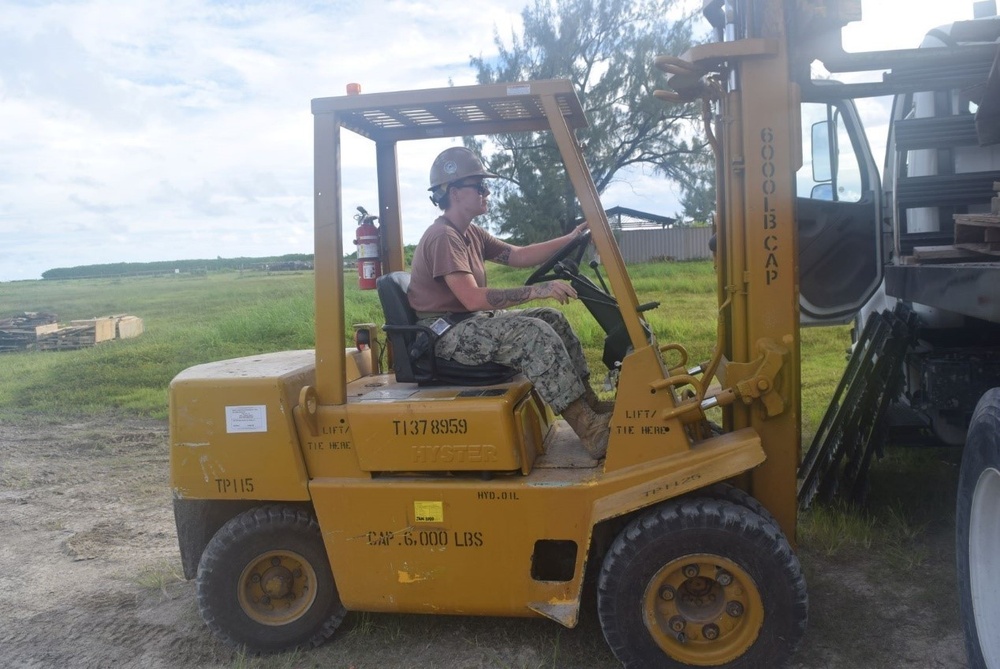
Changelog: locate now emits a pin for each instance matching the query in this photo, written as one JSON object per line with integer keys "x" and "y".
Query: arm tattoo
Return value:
{"x": 504, "y": 257}
{"x": 505, "y": 297}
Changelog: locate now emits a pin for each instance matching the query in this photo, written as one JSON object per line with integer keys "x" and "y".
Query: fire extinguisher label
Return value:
{"x": 368, "y": 270}
{"x": 367, "y": 250}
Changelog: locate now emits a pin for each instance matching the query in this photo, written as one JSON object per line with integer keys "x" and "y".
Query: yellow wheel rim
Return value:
{"x": 703, "y": 610}
{"x": 277, "y": 588}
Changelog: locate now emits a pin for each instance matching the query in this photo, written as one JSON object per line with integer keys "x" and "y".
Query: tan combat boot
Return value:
{"x": 592, "y": 428}
{"x": 597, "y": 404}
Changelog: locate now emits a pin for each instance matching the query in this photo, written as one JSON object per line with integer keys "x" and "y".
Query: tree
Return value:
{"x": 698, "y": 199}
{"x": 606, "y": 48}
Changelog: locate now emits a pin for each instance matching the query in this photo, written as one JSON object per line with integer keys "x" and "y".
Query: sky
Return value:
{"x": 142, "y": 130}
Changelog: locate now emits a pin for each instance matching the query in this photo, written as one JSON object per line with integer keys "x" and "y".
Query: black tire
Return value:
{"x": 264, "y": 582}
{"x": 711, "y": 570}
{"x": 977, "y": 534}
{"x": 730, "y": 493}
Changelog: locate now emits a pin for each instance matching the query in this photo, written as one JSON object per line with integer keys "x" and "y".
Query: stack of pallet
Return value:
{"x": 980, "y": 232}
{"x": 78, "y": 334}
{"x": 19, "y": 332}
{"x": 90, "y": 332}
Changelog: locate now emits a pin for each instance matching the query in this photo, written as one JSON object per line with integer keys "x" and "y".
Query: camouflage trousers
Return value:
{"x": 537, "y": 342}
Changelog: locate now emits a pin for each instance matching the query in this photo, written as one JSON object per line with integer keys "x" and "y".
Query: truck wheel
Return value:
{"x": 978, "y": 534}
{"x": 702, "y": 582}
{"x": 264, "y": 582}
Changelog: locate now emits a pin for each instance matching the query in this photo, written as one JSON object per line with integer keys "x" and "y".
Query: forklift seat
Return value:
{"x": 413, "y": 344}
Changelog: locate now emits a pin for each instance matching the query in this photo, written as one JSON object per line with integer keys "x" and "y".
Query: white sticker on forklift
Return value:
{"x": 428, "y": 512}
{"x": 248, "y": 418}
{"x": 519, "y": 89}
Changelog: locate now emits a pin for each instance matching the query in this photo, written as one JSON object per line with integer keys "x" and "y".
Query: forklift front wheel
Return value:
{"x": 264, "y": 582}
{"x": 702, "y": 582}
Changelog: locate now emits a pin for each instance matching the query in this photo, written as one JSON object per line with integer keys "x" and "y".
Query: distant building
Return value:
{"x": 644, "y": 237}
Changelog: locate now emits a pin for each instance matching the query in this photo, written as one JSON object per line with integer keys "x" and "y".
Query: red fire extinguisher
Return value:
{"x": 367, "y": 240}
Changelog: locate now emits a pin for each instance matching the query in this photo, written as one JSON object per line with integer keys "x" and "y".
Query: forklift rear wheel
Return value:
{"x": 264, "y": 582}
{"x": 978, "y": 534}
{"x": 702, "y": 582}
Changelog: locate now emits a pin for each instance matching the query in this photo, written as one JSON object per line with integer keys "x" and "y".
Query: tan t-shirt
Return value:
{"x": 444, "y": 250}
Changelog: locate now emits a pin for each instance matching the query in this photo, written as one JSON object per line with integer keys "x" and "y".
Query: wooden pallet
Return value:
{"x": 978, "y": 232}
{"x": 18, "y": 332}
{"x": 103, "y": 328}
{"x": 127, "y": 327}
{"x": 67, "y": 338}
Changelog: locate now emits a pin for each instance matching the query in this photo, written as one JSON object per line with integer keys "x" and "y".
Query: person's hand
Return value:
{"x": 580, "y": 229}
{"x": 560, "y": 291}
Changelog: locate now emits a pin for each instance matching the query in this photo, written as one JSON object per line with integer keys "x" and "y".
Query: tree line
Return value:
{"x": 119, "y": 269}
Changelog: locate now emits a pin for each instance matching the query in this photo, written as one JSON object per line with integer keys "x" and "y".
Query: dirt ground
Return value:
{"x": 90, "y": 577}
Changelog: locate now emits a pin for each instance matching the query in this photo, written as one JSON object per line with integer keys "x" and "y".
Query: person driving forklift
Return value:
{"x": 448, "y": 280}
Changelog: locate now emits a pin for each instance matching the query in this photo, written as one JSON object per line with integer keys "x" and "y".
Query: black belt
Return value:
{"x": 452, "y": 317}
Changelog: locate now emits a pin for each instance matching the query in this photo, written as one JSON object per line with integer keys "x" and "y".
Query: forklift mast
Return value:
{"x": 924, "y": 308}
{"x": 758, "y": 151}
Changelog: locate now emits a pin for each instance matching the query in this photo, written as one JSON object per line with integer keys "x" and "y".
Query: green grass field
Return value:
{"x": 195, "y": 319}
{"x": 902, "y": 538}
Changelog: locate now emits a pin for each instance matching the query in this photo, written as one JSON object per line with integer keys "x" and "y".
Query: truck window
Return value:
{"x": 830, "y": 170}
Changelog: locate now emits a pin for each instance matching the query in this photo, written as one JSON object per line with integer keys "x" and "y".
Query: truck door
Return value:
{"x": 838, "y": 202}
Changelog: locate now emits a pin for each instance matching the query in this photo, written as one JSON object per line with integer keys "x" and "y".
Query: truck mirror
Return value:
{"x": 822, "y": 164}
{"x": 822, "y": 191}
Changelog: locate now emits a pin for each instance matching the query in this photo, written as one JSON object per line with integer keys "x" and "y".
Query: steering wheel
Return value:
{"x": 544, "y": 272}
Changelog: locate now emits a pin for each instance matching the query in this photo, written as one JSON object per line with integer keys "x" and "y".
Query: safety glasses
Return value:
{"x": 480, "y": 187}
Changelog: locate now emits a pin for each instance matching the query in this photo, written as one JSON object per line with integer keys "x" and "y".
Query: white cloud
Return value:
{"x": 149, "y": 130}
{"x": 153, "y": 130}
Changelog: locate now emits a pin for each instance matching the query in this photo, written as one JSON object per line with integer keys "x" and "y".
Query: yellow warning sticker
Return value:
{"x": 428, "y": 512}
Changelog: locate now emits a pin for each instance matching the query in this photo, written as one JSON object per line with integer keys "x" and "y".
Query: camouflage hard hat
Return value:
{"x": 455, "y": 164}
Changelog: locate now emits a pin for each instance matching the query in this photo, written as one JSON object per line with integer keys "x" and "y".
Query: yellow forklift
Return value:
{"x": 309, "y": 483}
